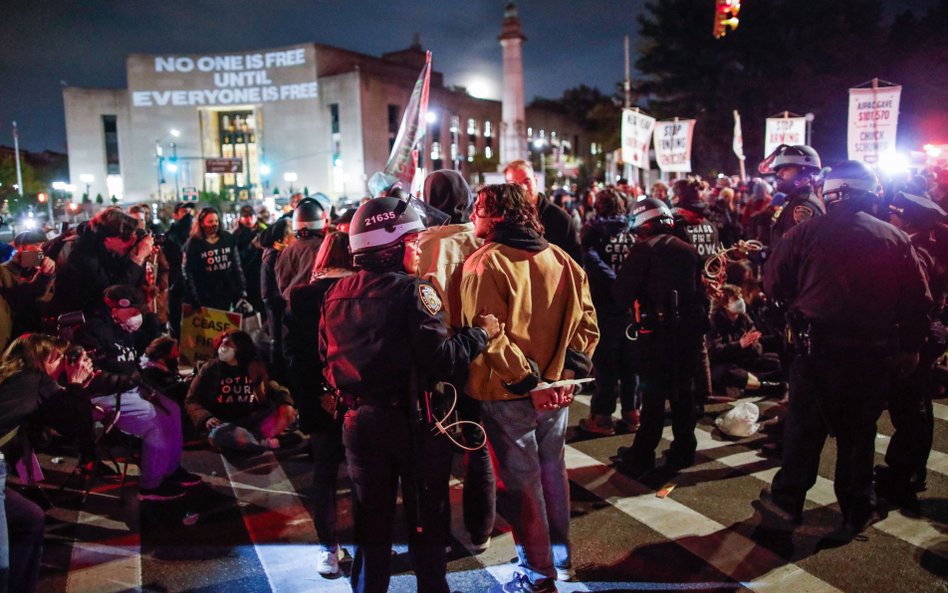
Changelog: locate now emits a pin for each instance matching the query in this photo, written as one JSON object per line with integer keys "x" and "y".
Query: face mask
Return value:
{"x": 739, "y": 307}
{"x": 226, "y": 354}
{"x": 133, "y": 323}
{"x": 210, "y": 229}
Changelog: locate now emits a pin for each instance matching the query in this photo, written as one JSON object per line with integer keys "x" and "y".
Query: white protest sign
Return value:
{"x": 873, "y": 120}
{"x": 637, "y": 131}
{"x": 783, "y": 130}
{"x": 673, "y": 145}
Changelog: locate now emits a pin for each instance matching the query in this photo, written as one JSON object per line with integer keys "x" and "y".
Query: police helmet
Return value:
{"x": 917, "y": 210}
{"x": 309, "y": 214}
{"x": 849, "y": 179}
{"x": 381, "y": 223}
{"x": 649, "y": 210}
{"x": 785, "y": 155}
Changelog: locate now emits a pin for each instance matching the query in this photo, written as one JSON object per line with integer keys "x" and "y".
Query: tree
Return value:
{"x": 99, "y": 199}
{"x": 786, "y": 55}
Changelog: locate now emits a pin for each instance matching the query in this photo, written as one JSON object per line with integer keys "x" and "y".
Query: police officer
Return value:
{"x": 797, "y": 169}
{"x": 910, "y": 404}
{"x": 858, "y": 309}
{"x": 660, "y": 282}
{"x": 383, "y": 340}
{"x": 295, "y": 264}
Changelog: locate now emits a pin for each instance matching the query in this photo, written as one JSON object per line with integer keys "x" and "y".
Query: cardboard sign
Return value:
{"x": 783, "y": 130}
{"x": 873, "y": 121}
{"x": 637, "y": 129}
{"x": 199, "y": 329}
{"x": 673, "y": 145}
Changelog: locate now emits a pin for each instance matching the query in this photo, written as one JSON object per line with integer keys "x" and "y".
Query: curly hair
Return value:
{"x": 509, "y": 202}
{"x": 609, "y": 202}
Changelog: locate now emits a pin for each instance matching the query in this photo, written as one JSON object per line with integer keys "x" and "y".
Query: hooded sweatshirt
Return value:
{"x": 606, "y": 241}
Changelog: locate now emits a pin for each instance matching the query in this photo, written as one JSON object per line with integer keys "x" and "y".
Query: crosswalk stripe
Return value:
{"x": 729, "y": 554}
{"x": 280, "y": 527}
{"x": 96, "y": 567}
{"x": 921, "y": 533}
{"x": 940, "y": 410}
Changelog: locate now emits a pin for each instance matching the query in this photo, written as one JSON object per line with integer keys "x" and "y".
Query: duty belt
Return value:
{"x": 354, "y": 401}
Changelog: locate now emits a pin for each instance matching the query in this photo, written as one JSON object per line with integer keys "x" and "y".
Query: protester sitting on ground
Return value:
{"x": 234, "y": 400}
{"x": 115, "y": 336}
{"x": 738, "y": 362}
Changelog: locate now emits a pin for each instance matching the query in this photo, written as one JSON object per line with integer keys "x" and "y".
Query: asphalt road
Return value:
{"x": 254, "y": 532}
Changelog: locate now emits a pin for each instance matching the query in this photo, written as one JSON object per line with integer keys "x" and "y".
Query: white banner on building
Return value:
{"x": 673, "y": 145}
{"x": 783, "y": 130}
{"x": 873, "y": 120}
{"x": 637, "y": 129}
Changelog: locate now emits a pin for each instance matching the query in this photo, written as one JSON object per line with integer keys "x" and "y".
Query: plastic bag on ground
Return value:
{"x": 740, "y": 421}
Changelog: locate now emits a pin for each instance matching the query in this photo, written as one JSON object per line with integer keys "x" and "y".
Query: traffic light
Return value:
{"x": 725, "y": 17}
{"x": 41, "y": 197}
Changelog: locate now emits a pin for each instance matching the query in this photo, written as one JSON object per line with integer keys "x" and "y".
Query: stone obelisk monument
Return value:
{"x": 513, "y": 128}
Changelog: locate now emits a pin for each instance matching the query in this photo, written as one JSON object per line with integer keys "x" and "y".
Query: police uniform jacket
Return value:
{"x": 654, "y": 269}
{"x": 295, "y": 264}
{"x": 801, "y": 205}
{"x": 852, "y": 274}
{"x": 542, "y": 297}
{"x": 376, "y": 327}
{"x": 442, "y": 251}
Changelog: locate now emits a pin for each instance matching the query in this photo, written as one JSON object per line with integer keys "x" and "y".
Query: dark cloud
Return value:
{"x": 43, "y": 42}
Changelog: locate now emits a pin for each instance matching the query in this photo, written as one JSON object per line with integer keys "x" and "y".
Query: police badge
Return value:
{"x": 429, "y": 298}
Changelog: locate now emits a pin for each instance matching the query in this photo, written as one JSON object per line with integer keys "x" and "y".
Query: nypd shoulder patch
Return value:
{"x": 430, "y": 299}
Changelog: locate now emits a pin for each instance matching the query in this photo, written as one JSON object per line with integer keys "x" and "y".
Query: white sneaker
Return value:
{"x": 327, "y": 562}
{"x": 565, "y": 574}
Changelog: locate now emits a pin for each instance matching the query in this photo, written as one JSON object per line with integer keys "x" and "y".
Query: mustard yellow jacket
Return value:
{"x": 543, "y": 301}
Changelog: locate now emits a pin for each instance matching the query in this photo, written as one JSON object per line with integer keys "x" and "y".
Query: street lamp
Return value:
{"x": 539, "y": 144}
{"x": 159, "y": 155}
{"x": 290, "y": 177}
{"x": 809, "y": 117}
{"x": 87, "y": 179}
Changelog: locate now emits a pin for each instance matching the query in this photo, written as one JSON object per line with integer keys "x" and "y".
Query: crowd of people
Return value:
{"x": 411, "y": 328}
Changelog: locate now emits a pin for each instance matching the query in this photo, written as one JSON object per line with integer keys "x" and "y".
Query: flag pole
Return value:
{"x": 16, "y": 150}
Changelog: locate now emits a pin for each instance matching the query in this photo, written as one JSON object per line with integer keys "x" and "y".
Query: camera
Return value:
{"x": 74, "y": 354}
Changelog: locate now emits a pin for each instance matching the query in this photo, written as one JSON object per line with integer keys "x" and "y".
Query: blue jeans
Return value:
{"x": 530, "y": 448}
{"x": 160, "y": 431}
{"x": 21, "y": 539}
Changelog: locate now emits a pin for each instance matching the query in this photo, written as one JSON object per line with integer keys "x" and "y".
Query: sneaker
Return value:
{"x": 479, "y": 547}
{"x": 327, "y": 561}
{"x": 768, "y": 504}
{"x": 565, "y": 574}
{"x": 521, "y": 584}
{"x": 167, "y": 490}
{"x": 597, "y": 424}
{"x": 185, "y": 478}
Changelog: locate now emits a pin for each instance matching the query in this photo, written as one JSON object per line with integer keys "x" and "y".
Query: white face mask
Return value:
{"x": 133, "y": 323}
{"x": 739, "y": 307}
{"x": 226, "y": 354}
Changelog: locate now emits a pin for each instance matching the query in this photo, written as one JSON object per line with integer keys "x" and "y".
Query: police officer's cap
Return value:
{"x": 381, "y": 223}
{"x": 917, "y": 210}
{"x": 309, "y": 214}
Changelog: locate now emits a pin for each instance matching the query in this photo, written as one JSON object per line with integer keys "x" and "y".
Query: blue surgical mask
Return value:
{"x": 739, "y": 307}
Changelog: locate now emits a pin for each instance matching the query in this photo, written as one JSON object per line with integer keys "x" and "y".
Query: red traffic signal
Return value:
{"x": 725, "y": 17}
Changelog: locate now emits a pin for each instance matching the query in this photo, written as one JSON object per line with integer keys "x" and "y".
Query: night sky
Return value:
{"x": 45, "y": 44}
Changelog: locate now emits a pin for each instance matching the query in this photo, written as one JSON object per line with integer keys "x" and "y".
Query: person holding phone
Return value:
{"x": 26, "y": 283}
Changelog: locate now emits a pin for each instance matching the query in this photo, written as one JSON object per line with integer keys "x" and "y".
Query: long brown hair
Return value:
{"x": 509, "y": 202}
{"x": 29, "y": 352}
{"x": 197, "y": 230}
{"x": 333, "y": 254}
